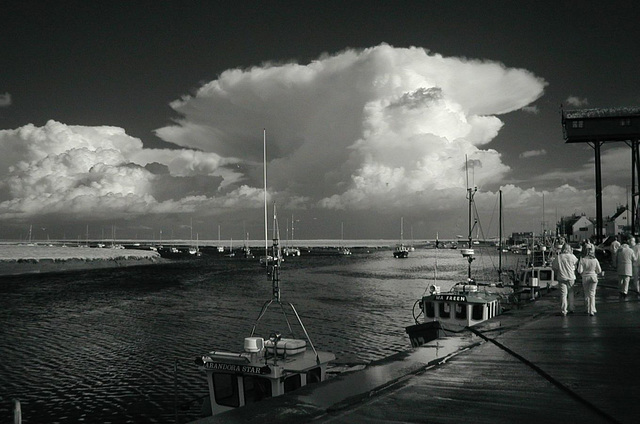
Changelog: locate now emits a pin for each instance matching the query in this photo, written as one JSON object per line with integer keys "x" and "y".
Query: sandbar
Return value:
{"x": 29, "y": 259}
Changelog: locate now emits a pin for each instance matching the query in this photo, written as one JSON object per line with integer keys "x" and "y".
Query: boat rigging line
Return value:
{"x": 274, "y": 273}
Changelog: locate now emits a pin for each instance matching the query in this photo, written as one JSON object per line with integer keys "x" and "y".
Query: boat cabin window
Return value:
{"x": 225, "y": 387}
{"x": 545, "y": 274}
{"x": 445, "y": 310}
{"x": 314, "y": 375}
{"x": 292, "y": 383}
{"x": 430, "y": 309}
{"x": 477, "y": 313}
{"x": 256, "y": 388}
{"x": 461, "y": 311}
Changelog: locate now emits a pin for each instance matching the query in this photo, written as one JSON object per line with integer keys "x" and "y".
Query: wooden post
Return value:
{"x": 17, "y": 412}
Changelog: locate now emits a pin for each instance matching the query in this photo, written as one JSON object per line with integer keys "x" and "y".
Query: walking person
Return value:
{"x": 625, "y": 257}
{"x": 636, "y": 268}
{"x": 613, "y": 248}
{"x": 564, "y": 265}
{"x": 589, "y": 268}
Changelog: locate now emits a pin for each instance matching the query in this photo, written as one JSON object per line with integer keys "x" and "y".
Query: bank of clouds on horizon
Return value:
{"x": 380, "y": 129}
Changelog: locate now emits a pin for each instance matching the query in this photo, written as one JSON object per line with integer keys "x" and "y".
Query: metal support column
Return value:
{"x": 634, "y": 165}
{"x": 599, "y": 224}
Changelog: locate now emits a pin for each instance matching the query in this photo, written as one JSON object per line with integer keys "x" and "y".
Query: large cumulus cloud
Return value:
{"x": 103, "y": 173}
{"x": 381, "y": 129}
{"x": 361, "y": 128}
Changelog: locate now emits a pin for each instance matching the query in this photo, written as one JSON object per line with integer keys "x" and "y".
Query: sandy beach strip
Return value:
{"x": 23, "y": 259}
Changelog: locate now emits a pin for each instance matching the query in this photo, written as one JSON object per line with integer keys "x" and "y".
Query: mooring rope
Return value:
{"x": 547, "y": 377}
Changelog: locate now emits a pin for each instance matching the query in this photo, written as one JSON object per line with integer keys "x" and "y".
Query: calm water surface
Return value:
{"x": 102, "y": 346}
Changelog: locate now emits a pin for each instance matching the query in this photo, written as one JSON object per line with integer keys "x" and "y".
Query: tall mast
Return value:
{"x": 500, "y": 238}
{"x": 275, "y": 273}
{"x": 264, "y": 170}
{"x": 470, "y": 193}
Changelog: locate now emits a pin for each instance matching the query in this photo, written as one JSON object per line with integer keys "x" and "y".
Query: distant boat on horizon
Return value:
{"x": 401, "y": 250}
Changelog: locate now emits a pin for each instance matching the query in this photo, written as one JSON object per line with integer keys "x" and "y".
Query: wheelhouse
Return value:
{"x": 538, "y": 277}
{"x": 463, "y": 307}
{"x": 265, "y": 369}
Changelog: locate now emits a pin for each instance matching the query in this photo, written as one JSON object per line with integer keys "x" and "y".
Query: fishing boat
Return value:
{"x": 466, "y": 304}
{"x": 268, "y": 366}
{"x": 538, "y": 275}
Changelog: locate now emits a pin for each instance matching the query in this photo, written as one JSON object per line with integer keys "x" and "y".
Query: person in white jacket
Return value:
{"x": 589, "y": 268}
{"x": 636, "y": 267}
{"x": 624, "y": 265}
{"x": 564, "y": 265}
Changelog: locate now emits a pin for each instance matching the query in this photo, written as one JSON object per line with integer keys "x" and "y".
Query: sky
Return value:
{"x": 148, "y": 118}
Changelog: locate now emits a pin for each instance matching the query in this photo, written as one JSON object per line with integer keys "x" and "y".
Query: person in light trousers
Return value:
{"x": 589, "y": 268}
{"x": 636, "y": 267}
{"x": 625, "y": 257}
{"x": 564, "y": 265}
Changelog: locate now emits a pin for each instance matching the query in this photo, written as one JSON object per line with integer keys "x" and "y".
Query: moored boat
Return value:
{"x": 291, "y": 251}
{"x": 401, "y": 251}
{"x": 463, "y": 306}
{"x": 466, "y": 304}
{"x": 268, "y": 366}
{"x": 344, "y": 251}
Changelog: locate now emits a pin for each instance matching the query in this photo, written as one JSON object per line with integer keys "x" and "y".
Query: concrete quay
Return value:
{"x": 528, "y": 365}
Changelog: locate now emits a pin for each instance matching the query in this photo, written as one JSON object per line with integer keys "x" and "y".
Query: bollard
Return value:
{"x": 17, "y": 412}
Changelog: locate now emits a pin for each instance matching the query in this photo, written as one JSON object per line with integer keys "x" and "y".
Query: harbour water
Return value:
{"x": 117, "y": 345}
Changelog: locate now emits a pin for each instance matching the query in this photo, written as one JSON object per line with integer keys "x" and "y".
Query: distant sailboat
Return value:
{"x": 343, "y": 250}
{"x": 220, "y": 246}
{"x": 231, "y": 253}
{"x": 289, "y": 250}
{"x": 246, "y": 250}
{"x": 401, "y": 250}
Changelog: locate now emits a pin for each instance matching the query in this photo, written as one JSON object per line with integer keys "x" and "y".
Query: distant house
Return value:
{"x": 618, "y": 223}
{"x": 576, "y": 228}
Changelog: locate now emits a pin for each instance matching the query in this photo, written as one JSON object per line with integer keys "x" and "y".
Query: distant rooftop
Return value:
{"x": 610, "y": 112}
